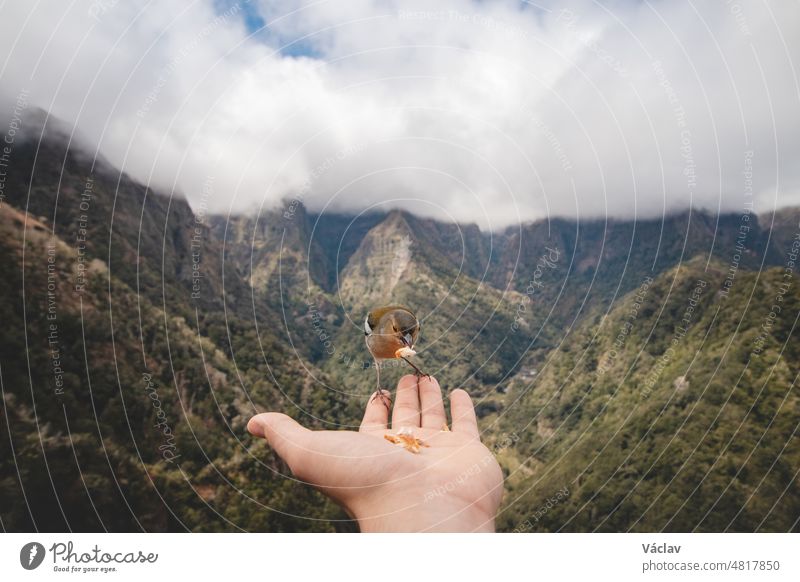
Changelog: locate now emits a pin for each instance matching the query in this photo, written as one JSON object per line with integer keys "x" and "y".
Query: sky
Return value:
{"x": 492, "y": 112}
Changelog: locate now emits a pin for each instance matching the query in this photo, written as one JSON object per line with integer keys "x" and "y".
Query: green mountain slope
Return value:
{"x": 125, "y": 427}
{"x": 677, "y": 411}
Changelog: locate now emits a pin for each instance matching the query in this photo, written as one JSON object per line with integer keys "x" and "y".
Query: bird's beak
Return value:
{"x": 406, "y": 339}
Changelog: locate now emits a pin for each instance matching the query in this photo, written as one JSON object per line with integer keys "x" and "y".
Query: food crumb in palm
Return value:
{"x": 406, "y": 439}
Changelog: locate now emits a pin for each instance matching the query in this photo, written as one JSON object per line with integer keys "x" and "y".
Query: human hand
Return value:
{"x": 453, "y": 484}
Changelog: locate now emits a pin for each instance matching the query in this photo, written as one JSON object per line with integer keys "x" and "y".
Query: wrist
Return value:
{"x": 429, "y": 515}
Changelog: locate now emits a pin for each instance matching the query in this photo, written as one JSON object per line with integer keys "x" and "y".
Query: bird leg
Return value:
{"x": 379, "y": 393}
{"x": 419, "y": 372}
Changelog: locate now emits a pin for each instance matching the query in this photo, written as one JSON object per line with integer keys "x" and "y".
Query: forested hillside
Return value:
{"x": 629, "y": 375}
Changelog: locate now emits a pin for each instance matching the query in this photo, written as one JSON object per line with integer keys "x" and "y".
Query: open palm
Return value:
{"x": 453, "y": 484}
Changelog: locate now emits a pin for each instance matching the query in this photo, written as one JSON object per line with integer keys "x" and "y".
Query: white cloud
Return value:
{"x": 472, "y": 111}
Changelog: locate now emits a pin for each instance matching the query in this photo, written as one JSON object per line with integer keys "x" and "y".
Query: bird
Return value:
{"x": 391, "y": 332}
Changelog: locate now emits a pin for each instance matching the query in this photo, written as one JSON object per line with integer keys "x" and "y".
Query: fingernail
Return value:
{"x": 255, "y": 427}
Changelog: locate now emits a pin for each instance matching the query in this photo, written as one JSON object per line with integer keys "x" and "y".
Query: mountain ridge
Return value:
{"x": 231, "y": 315}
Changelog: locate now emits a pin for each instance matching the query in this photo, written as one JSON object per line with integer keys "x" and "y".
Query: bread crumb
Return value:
{"x": 406, "y": 439}
{"x": 404, "y": 352}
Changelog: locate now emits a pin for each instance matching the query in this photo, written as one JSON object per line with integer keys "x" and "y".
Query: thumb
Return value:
{"x": 283, "y": 434}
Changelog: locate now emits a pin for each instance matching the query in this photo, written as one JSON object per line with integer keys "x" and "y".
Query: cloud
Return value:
{"x": 491, "y": 112}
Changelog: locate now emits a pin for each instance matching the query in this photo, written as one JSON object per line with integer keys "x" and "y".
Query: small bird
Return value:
{"x": 390, "y": 333}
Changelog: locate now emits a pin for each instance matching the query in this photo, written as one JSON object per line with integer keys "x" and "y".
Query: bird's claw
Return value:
{"x": 419, "y": 373}
{"x": 384, "y": 400}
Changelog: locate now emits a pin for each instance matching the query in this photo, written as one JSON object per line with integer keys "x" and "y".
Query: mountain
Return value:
{"x": 126, "y": 390}
{"x": 617, "y": 391}
{"x": 676, "y": 410}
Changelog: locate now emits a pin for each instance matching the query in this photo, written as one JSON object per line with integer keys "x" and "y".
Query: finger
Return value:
{"x": 463, "y": 413}
{"x": 376, "y": 415}
{"x": 431, "y": 404}
{"x": 406, "y": 405}
{"x": 283, "y": 434}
